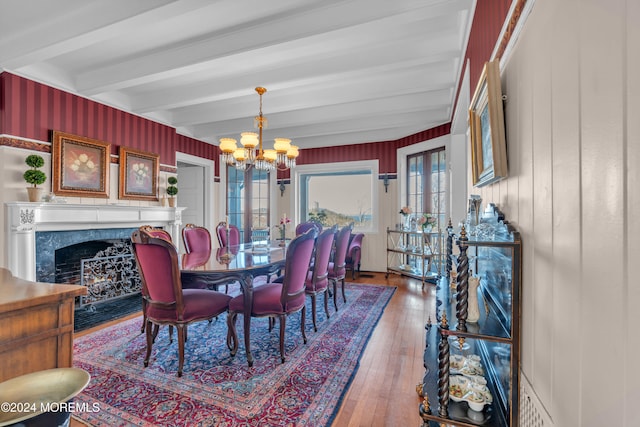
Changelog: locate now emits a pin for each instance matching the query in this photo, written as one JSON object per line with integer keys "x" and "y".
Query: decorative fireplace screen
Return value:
{"x": 111, "y": 273}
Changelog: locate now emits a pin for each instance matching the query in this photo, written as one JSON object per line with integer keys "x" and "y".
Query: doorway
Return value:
{"x": 195, "y": 182}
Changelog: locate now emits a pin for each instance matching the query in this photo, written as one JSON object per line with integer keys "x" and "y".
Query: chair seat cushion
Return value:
{"x": 266, "y": 300}
{"x": 198, "y": 304}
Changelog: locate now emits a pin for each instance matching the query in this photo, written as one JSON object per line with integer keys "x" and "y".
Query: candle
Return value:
{"x": 284, "y": 218}
{"x": 226, "y": 220}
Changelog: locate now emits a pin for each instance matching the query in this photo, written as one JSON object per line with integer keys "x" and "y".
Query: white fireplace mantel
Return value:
{"x": 23, "y": 219}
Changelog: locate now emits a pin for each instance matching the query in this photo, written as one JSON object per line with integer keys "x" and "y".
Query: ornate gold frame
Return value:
{"x": 139, "y": 171}
{"x": 486, "y": 123}
{"x": 80, "y": 166}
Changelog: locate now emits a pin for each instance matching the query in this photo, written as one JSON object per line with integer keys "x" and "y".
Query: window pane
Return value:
{"x": 235, "y": 196}
{"x": 260, "y": 200}
{"x": 253, "y": 199}
{"x": 337, "y": 198}
{"x": 426, "y": 183}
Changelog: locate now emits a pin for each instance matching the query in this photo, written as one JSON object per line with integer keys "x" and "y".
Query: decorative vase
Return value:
{"x": 407, "y": 222}
{"x": 283, "y": 235}
{"x": 427, "y": 228}
{"x": 473, "y": 310}
{"x": 172, "y": 202}
{"x": 35, "y": 194}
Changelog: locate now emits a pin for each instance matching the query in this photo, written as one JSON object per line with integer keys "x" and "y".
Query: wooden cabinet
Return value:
{"x": 476, "y": 364}
{"x": 37, "y": 325}
{"x": 415, "y": 254}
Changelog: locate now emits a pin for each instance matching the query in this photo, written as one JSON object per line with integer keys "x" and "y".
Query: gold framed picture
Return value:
{"x": 139, "y": 172}
{"x": 80, "y": 166}
{"x": 487, "y": 129}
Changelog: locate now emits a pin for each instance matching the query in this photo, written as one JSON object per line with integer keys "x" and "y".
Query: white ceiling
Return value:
{"x": 336, "y": 71}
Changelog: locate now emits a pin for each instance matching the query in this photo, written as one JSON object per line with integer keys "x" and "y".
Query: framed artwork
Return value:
{"x": 139, "y": 172}
{"x": 80, "y": 166}
{"x": 487, "y": 130}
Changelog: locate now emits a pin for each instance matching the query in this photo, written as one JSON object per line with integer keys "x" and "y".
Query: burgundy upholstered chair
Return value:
{"x": 166, "y": 302}
{"x": 354, "y": 253}
{"x": 234, "y": 234}
{"x": 304, "y": 226}
{"x": 317, "y": 278}
{"x": 337, "y": 267}
{"x": 160, "y": 234}
{"x": 196, "y": 239}
{"x": 156, "y": 232}
{"x": 278, "y": 300}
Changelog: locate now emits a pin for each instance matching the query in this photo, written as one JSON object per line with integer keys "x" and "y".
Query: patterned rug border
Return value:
{"x": 234, "y": 395}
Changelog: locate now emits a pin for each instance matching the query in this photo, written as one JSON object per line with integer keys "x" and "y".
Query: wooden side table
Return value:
{"x": 37, "y": 325}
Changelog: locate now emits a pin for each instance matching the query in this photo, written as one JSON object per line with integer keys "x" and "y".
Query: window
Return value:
{"x": 338, "y": 193}
{"x": 426, "y": 184}
{"x": 247, "y": 206}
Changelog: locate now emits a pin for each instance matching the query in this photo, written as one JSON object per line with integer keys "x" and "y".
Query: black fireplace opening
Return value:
{"x": 68, "y": 260}
{"x": 107, "y": 268}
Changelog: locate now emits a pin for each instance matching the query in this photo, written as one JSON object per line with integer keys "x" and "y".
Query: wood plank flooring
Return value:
{"x": 383, "y": 390}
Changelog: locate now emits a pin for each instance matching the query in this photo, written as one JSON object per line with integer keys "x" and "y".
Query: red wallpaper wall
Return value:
{"x": 384, "y": 151}
{"x": 32, "y": 110}
{"x": 485, "y": 29}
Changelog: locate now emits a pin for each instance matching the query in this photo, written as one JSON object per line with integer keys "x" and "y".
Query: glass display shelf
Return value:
{"x": 416, "y": 254}
{"x": 477, "y": 318}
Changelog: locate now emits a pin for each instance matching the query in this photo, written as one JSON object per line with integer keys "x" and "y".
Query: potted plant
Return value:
{"x": 172, "y": 190}
{"x": 34, "y": 176}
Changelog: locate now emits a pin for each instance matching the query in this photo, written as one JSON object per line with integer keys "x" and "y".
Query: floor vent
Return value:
{"x": 532, "y": 413}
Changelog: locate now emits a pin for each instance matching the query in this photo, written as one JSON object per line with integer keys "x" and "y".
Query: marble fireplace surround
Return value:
{"x": 23, "y": 220}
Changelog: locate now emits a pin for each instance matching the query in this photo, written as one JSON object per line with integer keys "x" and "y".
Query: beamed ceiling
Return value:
{"x": 336, "y": 71}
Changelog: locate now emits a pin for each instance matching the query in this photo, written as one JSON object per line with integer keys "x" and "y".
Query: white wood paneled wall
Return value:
{"x": 573, "y": 136}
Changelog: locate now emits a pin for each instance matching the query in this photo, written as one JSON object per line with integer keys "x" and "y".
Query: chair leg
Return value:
{"x": 283, "y": 325}
{"x": 326, "y": 302}
{"x": 144, "y": 316}
{"x": 154, "y": 334}
{"x": 303, "y": 316}
{"x": 335, "y": 294}
{"x": 232, "y": 334}
{"x": 344, "y": 297}
{"x": 181, "y": 340}
{"x": 148, "y": 327}
{"x": 313, "y": 311}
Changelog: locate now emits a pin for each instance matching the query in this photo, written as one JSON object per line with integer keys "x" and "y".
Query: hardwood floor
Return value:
{"x": 383, "y": 390}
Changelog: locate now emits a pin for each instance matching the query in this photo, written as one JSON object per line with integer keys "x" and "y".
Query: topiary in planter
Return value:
{"x": 34, "y": 176}
{"x": 172, "y": 190}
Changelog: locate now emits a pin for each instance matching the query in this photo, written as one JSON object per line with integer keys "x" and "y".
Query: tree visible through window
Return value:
{"x": 426, "y": 184}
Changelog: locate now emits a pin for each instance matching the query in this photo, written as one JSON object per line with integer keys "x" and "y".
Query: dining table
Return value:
{"x": 241, "y": 263}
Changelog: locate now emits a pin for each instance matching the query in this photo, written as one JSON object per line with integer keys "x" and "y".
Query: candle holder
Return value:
{"x": 225, "y": 256}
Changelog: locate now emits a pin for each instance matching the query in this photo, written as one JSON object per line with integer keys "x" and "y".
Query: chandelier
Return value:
{"x": 282, "y": 156}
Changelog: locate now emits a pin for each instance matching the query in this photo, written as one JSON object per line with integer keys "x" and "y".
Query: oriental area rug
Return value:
{"x": 219, "y": 390}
